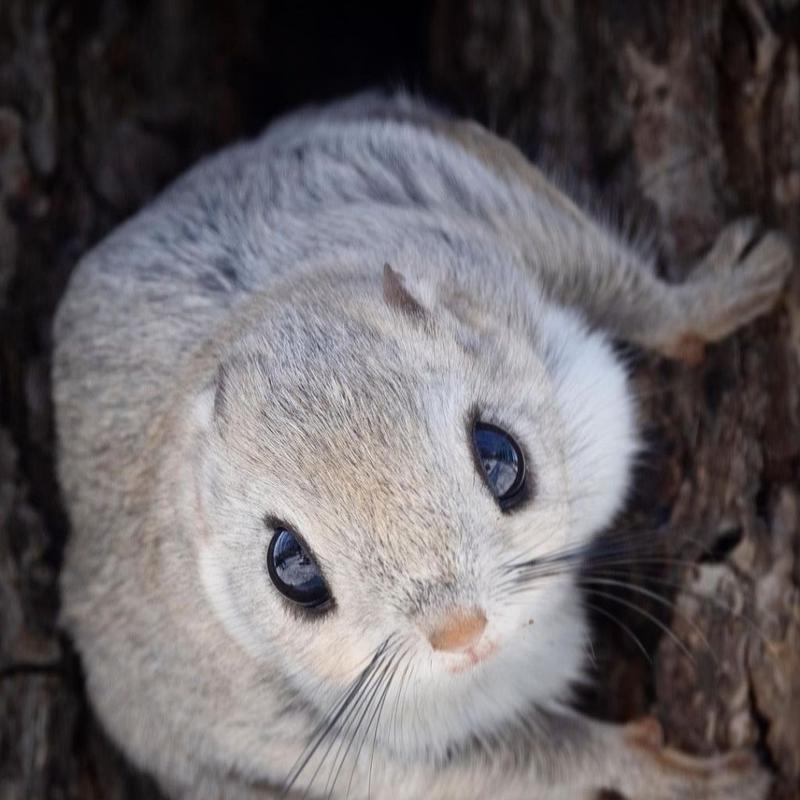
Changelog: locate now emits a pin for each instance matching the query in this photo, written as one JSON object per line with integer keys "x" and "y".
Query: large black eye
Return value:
{"x": 502, "y": 463}
{"x": 293, "y": 571}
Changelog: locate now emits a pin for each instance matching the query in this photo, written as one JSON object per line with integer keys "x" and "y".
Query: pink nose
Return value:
{"x": 459, "y": 631}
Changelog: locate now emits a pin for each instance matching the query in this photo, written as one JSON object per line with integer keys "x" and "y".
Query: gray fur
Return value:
{"x": 237, "y": 351}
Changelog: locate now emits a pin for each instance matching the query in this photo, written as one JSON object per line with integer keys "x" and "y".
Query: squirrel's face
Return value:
{"x": 381, "y": 491}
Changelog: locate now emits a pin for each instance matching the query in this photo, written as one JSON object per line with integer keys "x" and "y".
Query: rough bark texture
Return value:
{"x": 685, "y": 113}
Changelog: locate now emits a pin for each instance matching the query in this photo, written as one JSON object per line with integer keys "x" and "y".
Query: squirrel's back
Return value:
{"x": 374, "y": 175}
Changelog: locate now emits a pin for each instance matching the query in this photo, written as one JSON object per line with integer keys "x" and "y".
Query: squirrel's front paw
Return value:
{"x": 668, "y": 774}
{"x": 739, "y": 280}
{"x": 741, "y": 277}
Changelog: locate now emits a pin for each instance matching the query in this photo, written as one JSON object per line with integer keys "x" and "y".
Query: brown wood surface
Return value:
{"x": 684, "y": 114}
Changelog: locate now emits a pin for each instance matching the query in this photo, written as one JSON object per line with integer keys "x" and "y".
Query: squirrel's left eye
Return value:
{"x": 502, "y": 463}
{"x": 294, "y": 572}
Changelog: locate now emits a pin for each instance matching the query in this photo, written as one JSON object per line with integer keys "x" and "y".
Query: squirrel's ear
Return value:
{"x": 209, "y": 405}
{"x": 202, "y": 412}
{"x": 397, "y": 296}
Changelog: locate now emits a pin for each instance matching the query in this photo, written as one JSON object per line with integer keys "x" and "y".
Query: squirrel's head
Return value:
{"x": 385, "y": 477}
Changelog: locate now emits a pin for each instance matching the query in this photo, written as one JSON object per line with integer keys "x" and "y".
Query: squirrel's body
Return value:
{"x": 237, "y": 352}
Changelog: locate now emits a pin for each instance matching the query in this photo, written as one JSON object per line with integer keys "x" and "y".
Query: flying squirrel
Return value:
{"x": 338, "y": 419}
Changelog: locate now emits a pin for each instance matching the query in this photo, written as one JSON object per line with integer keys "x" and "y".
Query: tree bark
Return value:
{"x": 681, "y": 116}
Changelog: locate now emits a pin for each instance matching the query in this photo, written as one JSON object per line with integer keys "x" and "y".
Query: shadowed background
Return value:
{"x": 687, "y": 114}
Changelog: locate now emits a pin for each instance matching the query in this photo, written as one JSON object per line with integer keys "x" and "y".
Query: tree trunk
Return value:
{"x": 681, "y": 115}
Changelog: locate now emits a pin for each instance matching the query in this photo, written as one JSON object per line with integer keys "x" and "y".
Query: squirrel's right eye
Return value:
{"x": 294, "y": 572}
